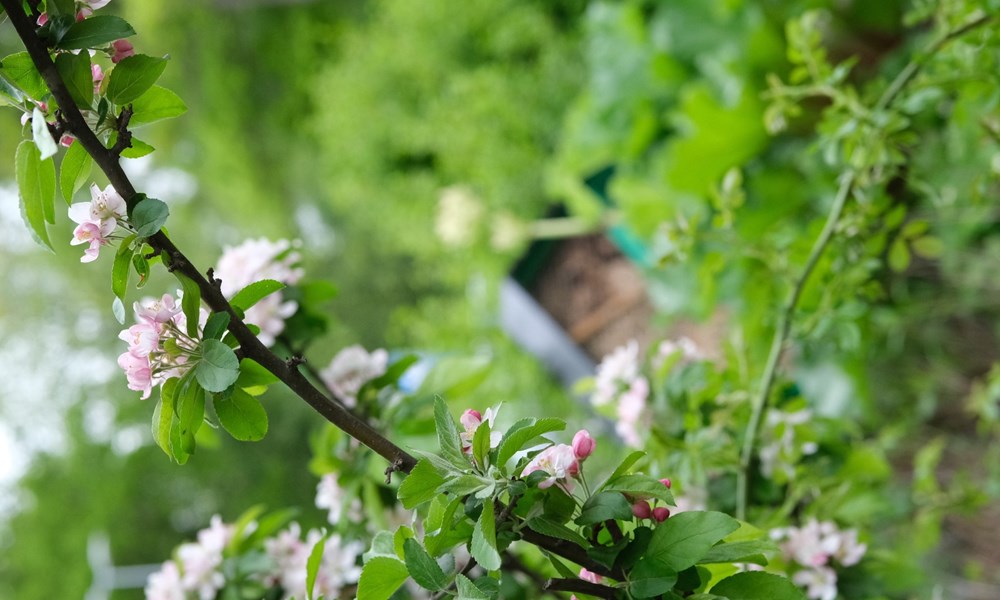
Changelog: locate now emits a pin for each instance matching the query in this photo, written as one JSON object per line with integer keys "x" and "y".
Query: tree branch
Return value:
{"x": 579, "y": 585}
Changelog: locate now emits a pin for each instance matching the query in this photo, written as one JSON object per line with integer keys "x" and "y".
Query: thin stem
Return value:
{"x": 759, "y": 402}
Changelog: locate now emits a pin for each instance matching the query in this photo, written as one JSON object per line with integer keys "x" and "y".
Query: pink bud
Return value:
{"x": 660, "y": 513}
{"x": 641, "y": 509}
{"x": 471, "y": 419}
{"x": 67, "y": 140}
{"x": 43, "y": 19}
{"x": 589, "y": 576}
{"x": 85, "y": 12}
{"x": 583, "y": 444}
{"x": 666, "y": 481}
{"x": 122, "y": 50}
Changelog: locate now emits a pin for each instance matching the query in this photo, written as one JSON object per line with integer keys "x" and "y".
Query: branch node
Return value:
{"x": 397, "y": 465}
{"x": 124, "y": 135}
{"x": 295, "y": 361}
{"x": 215, "y": 281}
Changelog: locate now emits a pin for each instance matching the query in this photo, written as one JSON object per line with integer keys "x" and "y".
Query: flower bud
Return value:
{"x": 122, "y": 50}
{"x": 666, "y": 482}
{"x": 471, "y": 419}
{"x": 660, "y": 513}
{"x": 43, "y": 19}
{"x": 583, "y": 444}
{"x": 641, "y": 509}
{"x": 589, "y": 576}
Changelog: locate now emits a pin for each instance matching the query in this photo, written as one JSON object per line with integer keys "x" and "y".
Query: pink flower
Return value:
{"x": 96, "y": 4}
{"x": 665, "y": 482}
{"x": 67, "y": 140}
{"x": 95, "y": 234}
{"x": 583, "y": 444}
{"x": 589, "y": 576}
{"x": 142, "y": 338}
{"x": 165, "y": 584}
{"x": 641, "y": 509}
{"x": 820, "y": 583}
{"x": 471, "y": 419}
{"x": 157, "y": 311}
{"x": 558, "y": 461}
{"x": 138, "y": 372}
{"x": 122, "y": 50}
{"x": 106, "y": 204}
{"x": 97, "y": 74}
{"x": 43, "y": 19}
{"x": 660, "y": 513}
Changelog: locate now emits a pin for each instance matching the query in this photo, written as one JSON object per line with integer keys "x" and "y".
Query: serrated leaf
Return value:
{"x": 551, "y": 528}
{"x": 95, "y": 31}
{"x": 136, "y": 149}
{"x": 484, "y": 539}
{"x": 43, "y": 139}
{"x": 218, "y": 368}
{"x": 468, "y": 590}
{"x": 74, "y": 171}
{"x": 242, "y": 416}
{"x": 190, "y": 303}
{"x": 148, "y": 216}
{"x": 481, "y": 444}
{"x": 420, "y": 485}
{"x": 121, "y": 268}
{"x": 216, "y": 325}
{"x": 380, "y": 578}
{"x": 523, "y": 432}
{"x": 757, "y": 585}
{"x": 642, "y": 486}
{"x": 604, "y": 506}
{"x": 36, "y": 181}
{"x": 133, "y": 77}
{"x": 20, "y": 70}
{"x": 423, "y": 569}
{"x": 254, "y": 293}
{"x": 313, "y": 564}
{"x": 156, "y": 104}
{"x": 74, "y": 69}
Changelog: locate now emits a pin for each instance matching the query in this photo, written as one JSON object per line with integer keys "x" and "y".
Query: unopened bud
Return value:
{"x": 660, "y": 513}
{"x": 641, "y": 509}
{"x": 583, "y": 444}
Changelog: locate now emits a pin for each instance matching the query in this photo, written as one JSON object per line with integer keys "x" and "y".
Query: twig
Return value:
{"x": 579, "y": 585}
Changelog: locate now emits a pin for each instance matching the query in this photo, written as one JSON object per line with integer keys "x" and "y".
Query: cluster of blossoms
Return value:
{"x": 158, "y": 347}
{"x": 561, "y": 462}
{"x": 814, "y": 547}
{"x": 332, "y": 497}
{"x": 256, "y": 260}
{"x": 97, "y": 220}
{"x": 619, "y": 381}
{"x": 350, "y": 369}
{"x": 197, "y": 571}
{"x": 642, "y": 509}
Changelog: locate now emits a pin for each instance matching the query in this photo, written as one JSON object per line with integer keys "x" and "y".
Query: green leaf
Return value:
{"x": 190, "y": 410}
{"x": 190, "y": 302}
{"x": 447, "y": 432}
{"x": 465, "y": 484}
{"x": 242, "y": 416}
{"x": 216, "y": 325}
{"x": 313, "y": 564}
{"x": 639, "y": 485}
{"x": 137, "y": 148}
{"x": 95, "y": 31}
{"x": 36, "y": 181}
{"x": 626, "y": 464}
{"x": 9, "y": 92}
{"x": 74, "y": 69}
{"x": 122, "y": 267}
{"x": 523, "y": 432}
{"x": 163, "y": 415}
{"x": 604, "y": 506}
{"x": 218, "y": 368}
{"x": 254, "y": 378}
{"x": 484, "y": 539}
{"x": 254, "y": 293}
{"x": 481, "y": 443}
{"x": 899, "y": 255}
{"x": 468, "y": 590}
{"x": 43, "y": 139}
{"x": 554, "y": 529}
{"x": 156, "y": 104}
{"x": 21, "y": 71}
{"x": 455, "y": 376}
{"x": 928, "y": 246}
{"x": 757, "y": 585}
{"x": 133, "y": 77}
{"x": 423, "y": 569}
{"x": 678, "y": 543}
{"x": 74, "y": 171}
{"x": 148, "y": 216}
{"x": 141, "y": 265}
{"x": 420, "y": 485}
{"x": 380, "y": 578}
{"x": 751, "y": 551}
{"x": 118, "y": 310}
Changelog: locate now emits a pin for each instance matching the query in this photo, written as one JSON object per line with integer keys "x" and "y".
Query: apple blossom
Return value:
{"x": 583, "y": 444}
{"x": 157, "y": 311}
{"x": 558, "y": 461}
{"x": 165, "y": 584}
{"x": 331, "y": 496}
{"x": 138, "y": 373}
{"x": 94, "y": 234}
{"x": 661, "y": 513}
{"x": 106, "y": 204}
{"x": 351, "y": 368}
{"x": 121, "y": 50}
{"x": 618, "y": 380}
{"x": 589, "y": 576}
{"x": 471, "y": 419}
{"x": 820, "y": 583}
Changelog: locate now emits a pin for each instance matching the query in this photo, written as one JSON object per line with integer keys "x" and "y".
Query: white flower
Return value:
{"x": 668, "y": 348}
{"x": 458, "y": 215}
{"x": 820, "y": 582}
{"x": 331, "y": 496}
{"x": 631, "y": 406}
{"x": 255, "y": 260}
{"x": 165, "y": 584}
{"x": 351, "y": 368}
{"x": 201, "y": 562}
{"x": 338, "y": 568}
{"x": 616, "y": 371}
{"x": 559, "y": 462}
